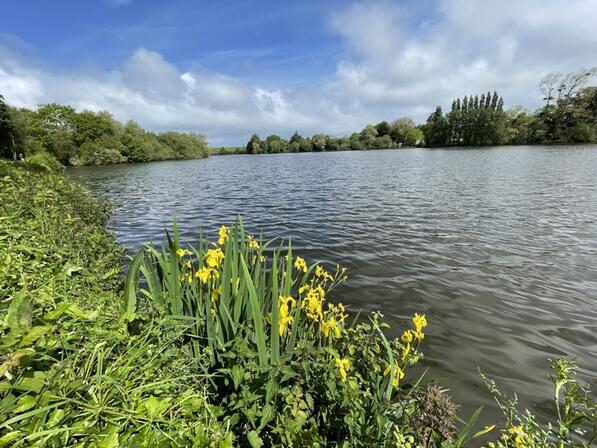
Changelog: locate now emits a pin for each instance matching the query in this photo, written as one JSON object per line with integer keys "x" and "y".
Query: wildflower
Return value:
{"x": 213, "y": 313}
{"x": 398, "y": 374}
{"x": 407, "y": 336}
{"x": 182, "y": 252}
{"x": 420, "y": 322}
{"x": 262, "y": 258}
{"x": 304, "y": 288}
{"x": 312, "y": 304}
{"x": 215, "y": 294}
{"x": 338, "y": 311}
{"x": 320, "y": 291}
{"x": 285, "y": 303}
{"x": 214, "y": 257}
{"x": 223, "y": 234}
{"x": 519, "y": 436}
{"x": 253, "y": 244}
{"x": 203, "y": 274}
{"x": 330, "y": 325}
{"x": 319, "y": 271}
{"x": 300, "y": 264}
{"x": 188, "y": 265}
{"x": 343, "y": 365}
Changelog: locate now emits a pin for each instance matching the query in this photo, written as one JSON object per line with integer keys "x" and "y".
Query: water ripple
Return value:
{"x": 497, "y": 246}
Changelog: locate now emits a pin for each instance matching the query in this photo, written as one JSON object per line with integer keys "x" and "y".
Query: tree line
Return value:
{"x": 569, "y": 115}
{"x": 400, "y": 132}
{"x": 88, "y": 138}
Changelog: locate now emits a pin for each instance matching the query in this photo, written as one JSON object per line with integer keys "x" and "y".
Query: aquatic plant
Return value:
{"x": 285, "y": 361}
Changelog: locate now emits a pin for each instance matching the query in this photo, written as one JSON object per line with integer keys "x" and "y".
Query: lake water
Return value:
{"x": 497, "y": 246}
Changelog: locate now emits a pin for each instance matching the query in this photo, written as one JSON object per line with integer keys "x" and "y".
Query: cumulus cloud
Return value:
{"x": 395, "y": 64}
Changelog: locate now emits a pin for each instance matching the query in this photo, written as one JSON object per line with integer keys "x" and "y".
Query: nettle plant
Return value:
{"x": 288, "y": 367}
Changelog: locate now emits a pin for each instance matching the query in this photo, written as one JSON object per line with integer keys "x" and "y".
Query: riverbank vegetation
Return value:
{"x": 569, "y": 115}
{"x": 88, "y": 138}
{"x": 233, "y": 341}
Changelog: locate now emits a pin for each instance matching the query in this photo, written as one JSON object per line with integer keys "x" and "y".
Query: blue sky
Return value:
{"x": 229, "y": 68}
{"x": 271, "y": 43}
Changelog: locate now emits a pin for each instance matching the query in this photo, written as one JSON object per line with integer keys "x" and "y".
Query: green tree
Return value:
{"x": 253, "y": 146}
{"x": 7, "y": 132}
{"x": 383, "y": 128}
{"x": 276, "y": 144}
{"x": 319, "y": 142}
{"x": 296, "y": 138}
{"x": 305, "y": 145}
{"x": 52, "y": 127}
{"x": 436, "y": 129}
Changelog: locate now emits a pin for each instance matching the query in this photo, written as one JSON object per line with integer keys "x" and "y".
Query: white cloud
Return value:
{"x": 394, "y": 65}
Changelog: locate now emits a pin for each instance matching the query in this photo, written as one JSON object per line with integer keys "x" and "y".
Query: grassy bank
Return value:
{"x": 230, "y": 342}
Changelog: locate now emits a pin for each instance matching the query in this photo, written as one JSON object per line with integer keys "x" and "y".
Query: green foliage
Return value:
{"x": 7, "y": 132}
{"x": 575, "y": 424}
{"x": 42, "y": 161}
{"x": 89, "y": 138}
{"x": 71, "y": 374}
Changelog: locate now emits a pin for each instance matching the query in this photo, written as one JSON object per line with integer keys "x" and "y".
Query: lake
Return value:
{"x": 497, "y": 246}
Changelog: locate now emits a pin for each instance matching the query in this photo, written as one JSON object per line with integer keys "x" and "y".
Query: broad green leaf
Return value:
{"x": 254, "y": 439}
{"x": 20, "y": 312}
{"x": 25, "y": 403}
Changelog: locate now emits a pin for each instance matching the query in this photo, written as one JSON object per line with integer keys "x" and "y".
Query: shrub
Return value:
{"x": 43, "y": 161}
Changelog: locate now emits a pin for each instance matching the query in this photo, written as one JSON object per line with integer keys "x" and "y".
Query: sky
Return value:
{"x": 228, "y": 69}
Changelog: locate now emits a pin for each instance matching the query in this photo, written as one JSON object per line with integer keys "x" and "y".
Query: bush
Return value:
{"x": 42, "y": 161}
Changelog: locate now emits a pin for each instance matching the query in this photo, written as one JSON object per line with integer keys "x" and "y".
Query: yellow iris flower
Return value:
{"x": 300, "y": 264}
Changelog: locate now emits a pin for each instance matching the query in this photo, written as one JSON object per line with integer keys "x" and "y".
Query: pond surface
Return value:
{"x": 497, "y": 246}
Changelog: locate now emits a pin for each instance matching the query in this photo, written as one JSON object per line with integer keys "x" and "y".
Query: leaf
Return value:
{"x": 55, "y": 418}
{"x": 155, "y": 407}
{"x": 110, "y": 441}
{"x": 20, "y": 312}
{"x": 24, "y": 404}
{"x": 69, "y": 269}
{"x": 462, "y": 435}
{"x": 130, "y": 283}
{"x": 35, "y": 333}
{"x": 483, "y": 431}
{"x": 256, "y": 315}
{"x": 7, "y": 438}
{"x": 32, "y": 383}
{"x": 254, "y": 439}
